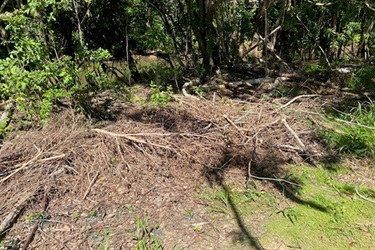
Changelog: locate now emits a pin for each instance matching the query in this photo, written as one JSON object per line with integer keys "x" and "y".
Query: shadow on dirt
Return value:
{"x": 268, "y": 168}
{"x": 215, "y": 176}
{"x": 170, "y": 120}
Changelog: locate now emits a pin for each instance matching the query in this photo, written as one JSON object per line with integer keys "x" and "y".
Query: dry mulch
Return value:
{"x": 69, "y": 184}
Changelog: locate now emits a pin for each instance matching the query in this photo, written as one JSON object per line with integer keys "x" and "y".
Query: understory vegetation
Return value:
{"x": 187, "y": 124}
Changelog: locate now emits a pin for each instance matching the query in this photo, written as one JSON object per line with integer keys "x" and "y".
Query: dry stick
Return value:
{"x": 232, "y": 123}
{"x": 23, "y": 166}
{"x": 270, "y": 179}
{"x": 10, "y": 218}
{"x": 355, "y": 124}
{"x": 90, "y": 186}
{"x": 294, "y": 134}
{"x": 51, "y": 158}
{"x": 361, "y": 196}
{"x": 14, "y": 171}
{"x": 293, "y": 100}
{"x": 327, "y": 126}
{"x": 290, "y": 147}
{"x": 130, "y": 138}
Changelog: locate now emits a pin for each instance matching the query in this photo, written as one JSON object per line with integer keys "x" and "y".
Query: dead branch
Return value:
{"x": 294, "y": 134}
{"x": 355, "y": 124}
{"x": 259, "y": 81}
{"x": 327, "y": 126}
{"x": 130, "y": 138}
{"x": 293, "y": 100}
{"x": 11, "y": 217}
{"x": 269, "y": 179}
{"x": 290, "y": 147}
{"x": 369, "y": 6}
{"x": 232, "y": 123}
{"x": 23, "y": 166}
{"x": 363, "y": 197}
{"x": 90, "y": 186}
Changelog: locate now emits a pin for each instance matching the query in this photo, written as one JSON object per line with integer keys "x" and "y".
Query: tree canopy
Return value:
{"x": 46, "y": 46}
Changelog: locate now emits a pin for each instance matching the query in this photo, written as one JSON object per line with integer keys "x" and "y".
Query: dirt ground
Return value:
{"x": 138, "y": 177}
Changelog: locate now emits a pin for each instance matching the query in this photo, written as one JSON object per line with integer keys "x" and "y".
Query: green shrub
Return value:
{"x": 34, "y": 74}
{"x": 363, "y": 80}
{"x": 160, "y": 96}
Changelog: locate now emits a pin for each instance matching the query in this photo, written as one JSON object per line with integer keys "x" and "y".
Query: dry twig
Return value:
{"x": 232, "y": 123}
{"x": 10, "y": 218}
{"x": 294, "y": 134}
{"x": 269, "y": 179}
{"x": 363, "y": 197}
{"x": 293, "y": 100}
{"x": 130, "y": 138}
{"x": 23, "y": 166}
{"x": 90, "y": 186}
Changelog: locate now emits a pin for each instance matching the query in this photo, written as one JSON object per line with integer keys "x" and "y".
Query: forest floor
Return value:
{"x": 220, "y": 171}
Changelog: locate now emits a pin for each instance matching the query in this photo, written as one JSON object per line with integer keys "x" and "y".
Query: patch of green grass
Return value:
{"x": 326, "y": 212}
{"x": 76, "y": 216}
{"x": 189, "y": 214}
{"x": 143, "y": 234}
{"x": 225, "y": 199}
{"x": 218, "y": 198}
{"x": 354, "y": 130}
{"x": 347, "y": 223}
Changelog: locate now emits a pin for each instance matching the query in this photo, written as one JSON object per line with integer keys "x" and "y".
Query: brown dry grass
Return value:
{"x": 98, "y": 178}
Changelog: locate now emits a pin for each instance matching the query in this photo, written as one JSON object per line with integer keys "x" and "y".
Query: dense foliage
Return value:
{"x": 57, "y": 49}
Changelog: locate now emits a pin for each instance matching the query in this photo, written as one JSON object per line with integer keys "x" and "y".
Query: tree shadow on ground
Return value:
{"x": 169, "y": 119}
{"x": 270, "y": 168}
{"x": 215, "y": 176}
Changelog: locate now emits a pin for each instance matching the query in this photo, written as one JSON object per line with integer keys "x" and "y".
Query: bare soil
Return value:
{"x": 70, "y": 184}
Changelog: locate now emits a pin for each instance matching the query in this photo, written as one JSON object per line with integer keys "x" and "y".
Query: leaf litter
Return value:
{"x": 148, "y": 161}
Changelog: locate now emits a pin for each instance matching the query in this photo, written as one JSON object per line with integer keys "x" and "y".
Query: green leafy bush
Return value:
{"x": 36, "y": 73}
{"x": 363, "y": 80}
{"x": 31, "y": 75}
{"x": 160, "y": 96}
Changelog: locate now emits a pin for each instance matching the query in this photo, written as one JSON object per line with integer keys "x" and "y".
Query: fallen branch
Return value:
{"x": 363, "y": 197}
{"x": 327, "y": 126}
{"x": 270, "y": 179}
{"x": 90, "y": 186}
{"x": 23, "y": 166}
{"x": 130, "y": 138}
{"x": 232, "y": 123}
{"x": 294, "y": 134}
{"x": 16, "y": 169}
{"x": 355, "y": 124}
{"x": 11, "y": 217}
{"x": 51, "y": 158}
{"x": 290, "y": 147}
{"x": 293, "y": 100}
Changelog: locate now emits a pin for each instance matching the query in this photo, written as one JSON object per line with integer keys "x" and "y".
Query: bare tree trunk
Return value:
{"x": 80, "y": 34}
{"x": 201, "y": 13}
